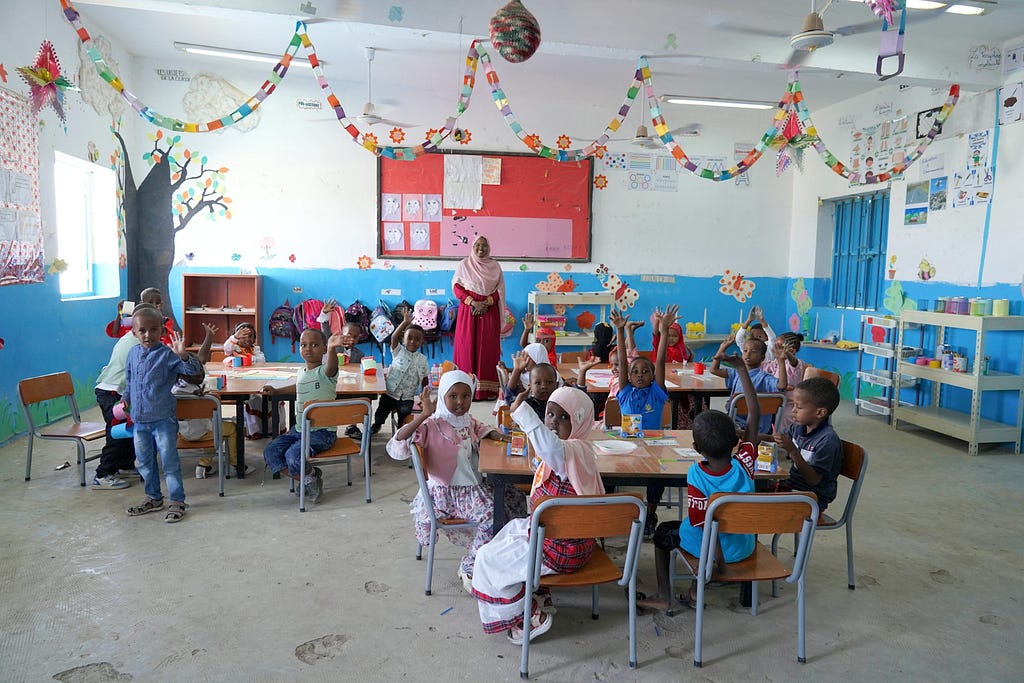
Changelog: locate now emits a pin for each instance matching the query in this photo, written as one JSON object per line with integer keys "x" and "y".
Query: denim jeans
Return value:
{"x": 159, "y": 436}
{"x": 286, "y": 450}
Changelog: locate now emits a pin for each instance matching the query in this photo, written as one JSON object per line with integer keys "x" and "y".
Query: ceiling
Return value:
{"x": 725, "y": 49}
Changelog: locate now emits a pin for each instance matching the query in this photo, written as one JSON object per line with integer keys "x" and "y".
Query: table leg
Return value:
{"x": 498, "y": 484}
{"x": 240, "y": 436}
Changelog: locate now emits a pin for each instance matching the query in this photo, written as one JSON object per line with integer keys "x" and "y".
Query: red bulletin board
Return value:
{"x": 539, "y": 210}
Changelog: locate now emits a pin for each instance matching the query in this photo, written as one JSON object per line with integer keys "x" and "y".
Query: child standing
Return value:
{"x": 811, "y": 442}
{"x": 714, "y": 437}
{"x": 151, "y": 371}
{"x": 568, "y": 468}
{"x": 449, "y": 438}
{"x": 318, "y": 381}
{"x": 408, "y": 372}
{"x": 644, "y": 393}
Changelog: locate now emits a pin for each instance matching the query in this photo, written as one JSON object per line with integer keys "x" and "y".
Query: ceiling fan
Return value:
{"x": 370, "y": 116}
{"x": 642, "y": 138}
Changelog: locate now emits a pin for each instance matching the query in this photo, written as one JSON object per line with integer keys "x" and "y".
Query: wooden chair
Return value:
{"x": 205, "y": 407}
{"x": 811, "y": 371}
{"x": 855, "y": 465}
{"x": 613, "y": 414}
{"x": 35, "y": 390}
{"x": 607, "y": 516}
{"x": 436, "y": 522}
{"x": 752, "y": 513}
{"x": 771, "y": 404}
{"x": 320, "y": 414}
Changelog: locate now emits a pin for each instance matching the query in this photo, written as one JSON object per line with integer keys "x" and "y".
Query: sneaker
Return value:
{"x": 467, "y": 580}
{"x": 375, "y": 429}
{"x": 354, "y": 433}
{"x": 546, "y": 603}
{"x": 315, "y": 485}
{"x": 129, "y": 474}
{"x": 540, "y": 623}
{"x": 109, "y": 483}
{"x": 202, "y": 471}
{"x": 650, "y": 525}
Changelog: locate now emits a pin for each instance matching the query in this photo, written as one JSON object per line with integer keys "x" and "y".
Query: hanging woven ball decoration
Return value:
{"x": 515, "y": 33}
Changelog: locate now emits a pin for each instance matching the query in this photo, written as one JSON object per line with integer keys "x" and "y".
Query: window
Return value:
{"x": 858, "y": 250}
{"x": 86, "y": 227}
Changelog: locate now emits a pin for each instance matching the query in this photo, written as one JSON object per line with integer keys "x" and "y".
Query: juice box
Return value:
{"x": 518, "y": 445}
{"x": 767, "y": 460}
{"x": 632, "y": 425}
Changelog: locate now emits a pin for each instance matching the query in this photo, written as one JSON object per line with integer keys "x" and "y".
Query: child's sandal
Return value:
{"x": 148, "y": 505}
{"x": 175, "y": 512}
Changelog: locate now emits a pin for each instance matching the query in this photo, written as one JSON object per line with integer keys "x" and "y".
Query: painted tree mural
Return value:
{"x": 181, "y": 184}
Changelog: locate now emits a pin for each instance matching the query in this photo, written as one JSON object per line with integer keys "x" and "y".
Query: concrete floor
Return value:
{"x": 247, "y": 588}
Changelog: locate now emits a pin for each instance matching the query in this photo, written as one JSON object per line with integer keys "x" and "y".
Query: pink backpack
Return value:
{"x": 424, "y": 314}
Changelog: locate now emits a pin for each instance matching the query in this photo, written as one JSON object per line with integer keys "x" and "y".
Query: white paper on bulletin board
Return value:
{"x": 21, "y": 235}
{"x": 463, "y": 177}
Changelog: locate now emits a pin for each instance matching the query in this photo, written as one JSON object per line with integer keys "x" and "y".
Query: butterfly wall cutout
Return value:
{"x": 625, "y": 296}
{"x": 735, "y": 286}
{"x": 555, "y": 283}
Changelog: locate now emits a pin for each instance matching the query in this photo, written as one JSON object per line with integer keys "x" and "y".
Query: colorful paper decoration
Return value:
{"x": 46, "y": 81}
{"x": 364, "y": 262}
{"x": 515, "y": 33}
{"x": 586, "y": 320}
{"x": 885, "y": 8}
{"x": 625, "y": 296}
{"x": 555, "y": 283}
{"x": 601, "y": 181}
{"x": 397, "y": 135}
{"x": 735, "y": 286}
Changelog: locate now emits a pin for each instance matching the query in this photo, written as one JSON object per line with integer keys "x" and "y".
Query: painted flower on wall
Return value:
{"x": 291, "y": 257}
{"x": 364, "y": 262}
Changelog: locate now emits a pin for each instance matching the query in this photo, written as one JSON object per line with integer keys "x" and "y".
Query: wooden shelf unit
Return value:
{"x": 221, "y": 300}
{"x": 969, "y": 426}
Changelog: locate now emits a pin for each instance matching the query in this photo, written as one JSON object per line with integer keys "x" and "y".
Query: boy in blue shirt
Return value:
{"x": 764, "y": 383}
{"x": 715, "y": 438}
{"x": 643, "y": 392}
{"x": 150, "y": 374}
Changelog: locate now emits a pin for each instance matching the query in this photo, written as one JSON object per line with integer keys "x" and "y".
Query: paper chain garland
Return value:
{"x": 775, "y": 135}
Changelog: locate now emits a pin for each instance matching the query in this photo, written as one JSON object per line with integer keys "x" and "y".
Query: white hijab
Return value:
{"x": 441, "y": 412}
{"x": 539, "y": 353}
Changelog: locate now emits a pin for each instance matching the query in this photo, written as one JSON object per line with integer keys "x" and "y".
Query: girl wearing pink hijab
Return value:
{"x": 480, "y": 287}
{"x": 568, "y": 468}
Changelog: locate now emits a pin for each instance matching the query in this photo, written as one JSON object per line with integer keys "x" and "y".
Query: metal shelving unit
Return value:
{"x": 882, "y": 372}
{"x": 969, "y": 426}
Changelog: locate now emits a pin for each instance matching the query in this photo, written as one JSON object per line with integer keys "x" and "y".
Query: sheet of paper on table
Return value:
{"x": 666, "y": 441}
{"x": 265, "y": 374}
{"x": 688, "y": 453}
{"x": 599, "y": 378}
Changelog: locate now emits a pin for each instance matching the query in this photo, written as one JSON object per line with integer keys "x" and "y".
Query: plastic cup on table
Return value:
{"x": 236, "y": 362}
{"x": 699, "y": 368}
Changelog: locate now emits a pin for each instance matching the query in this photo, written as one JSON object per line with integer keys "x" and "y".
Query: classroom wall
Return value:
{"x": 41, "y": 333}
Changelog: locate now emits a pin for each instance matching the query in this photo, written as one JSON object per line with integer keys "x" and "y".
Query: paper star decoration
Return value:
{"x": 46, "y": 81}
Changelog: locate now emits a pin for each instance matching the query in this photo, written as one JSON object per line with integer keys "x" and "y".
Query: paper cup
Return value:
{"x": 699, "y": 368}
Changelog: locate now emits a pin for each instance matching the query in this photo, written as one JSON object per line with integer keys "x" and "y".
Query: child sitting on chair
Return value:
{"x": 714, "y": 437}
{"x": 242, "y": 342}
{"x": 753, "y": 356}
{"x": 545, "y": 337}
{"x": 787, "y": 345}
{"x": 449, "y": 439}
{"x": 539, "y": 382}
{"x": 568, "y": 467}
{"x": 407, "y": 374}
{"x": 811, "y": 442}
{"x": 644, "y": 393}
{"x": 318, "y": 381}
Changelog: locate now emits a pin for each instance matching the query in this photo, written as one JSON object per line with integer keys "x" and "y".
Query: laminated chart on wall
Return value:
{"x": 877, "y": 147}
{"x": 972, "y": 183}
{"x": 651, "y": 173}
{"x": 1010, "y": 108}
{"x": 527, "y": 206}
{"x": 21, "y": 235}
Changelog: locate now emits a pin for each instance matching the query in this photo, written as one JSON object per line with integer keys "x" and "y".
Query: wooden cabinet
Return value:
{"x": 221, "y": 300}
{"x": 602, "y": 299}
{"x": 968, "y": 426}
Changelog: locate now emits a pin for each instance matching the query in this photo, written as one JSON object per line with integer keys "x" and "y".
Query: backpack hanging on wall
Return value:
{"x": 309, "y": 312}
{"x": 282, "y": 326}
{"x": 424, "y": 314}
{"x": 381, "y": 326}
{"x": 448, "y": 315}
{"x": 358, "y": 314}
{"x": 398, "y": 312}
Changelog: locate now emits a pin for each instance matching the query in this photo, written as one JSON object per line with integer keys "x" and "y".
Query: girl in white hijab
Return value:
{"x": 449, "y": 438}
{"x": 568, "y": 468}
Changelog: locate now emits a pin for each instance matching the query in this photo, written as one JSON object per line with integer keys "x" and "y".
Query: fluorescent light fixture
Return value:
{"x": 918, "y": 4}
{"x": 965, "y": 9}
{"x": 243, "y": 55}
{"x": 715, "y": 102}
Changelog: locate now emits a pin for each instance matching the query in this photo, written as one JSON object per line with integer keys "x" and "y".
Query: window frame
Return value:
{"x": 859, "y": 241}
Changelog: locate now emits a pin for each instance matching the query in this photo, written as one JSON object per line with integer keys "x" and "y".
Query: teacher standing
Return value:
{"x": 480, "y": 287}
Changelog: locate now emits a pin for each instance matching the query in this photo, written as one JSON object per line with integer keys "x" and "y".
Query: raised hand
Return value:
{"x": 733, "y": 359}
{"x": 178, "y": 344}
{"x": 330, "y": 305}
{"x": 210, "y": 330}
{"x": 617, "y": 319}
{"x": 335, "y": 341}
{"x": 407, "y": 315}
{"x": 518, "y": 402}
{"x": 587, "y": 364}
{"x": 520, "y": 360}
{"x": 427, "y": 404}
{"x": 634, "y": 324}
{"x": 670, "y": 315}
{"x": 528, "y": 321}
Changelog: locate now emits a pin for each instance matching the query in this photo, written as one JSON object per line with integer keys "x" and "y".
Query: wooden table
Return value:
{"x": 244, "y": 381}
{"x": 679, "y": 380}
{"x": 646, "y": 465}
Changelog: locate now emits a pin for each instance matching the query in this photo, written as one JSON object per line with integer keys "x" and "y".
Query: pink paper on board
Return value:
{"x": 546, "y": 238}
